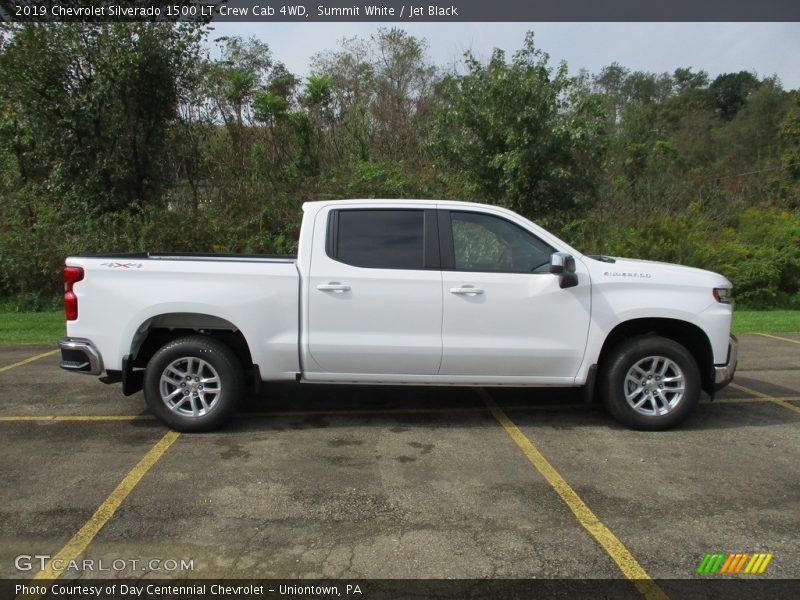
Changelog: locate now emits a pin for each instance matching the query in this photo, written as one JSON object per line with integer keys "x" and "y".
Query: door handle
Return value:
{"x": 334, "y": 286}
{"x": 467, "y": 290}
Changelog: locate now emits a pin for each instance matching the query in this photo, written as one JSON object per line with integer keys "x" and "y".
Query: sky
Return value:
{"x": 765, "y": 48}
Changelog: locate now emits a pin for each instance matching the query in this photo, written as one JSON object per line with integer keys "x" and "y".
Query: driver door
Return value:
{"x": 505, "y": 314}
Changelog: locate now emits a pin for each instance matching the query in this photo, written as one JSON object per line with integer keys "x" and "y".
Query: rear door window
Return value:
{"x": 378, "y": 238}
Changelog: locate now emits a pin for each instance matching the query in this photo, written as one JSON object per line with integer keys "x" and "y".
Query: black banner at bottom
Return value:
{"x": 391, "y": 589}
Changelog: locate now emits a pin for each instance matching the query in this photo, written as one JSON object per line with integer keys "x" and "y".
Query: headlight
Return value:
{"x": 723, "y": 295}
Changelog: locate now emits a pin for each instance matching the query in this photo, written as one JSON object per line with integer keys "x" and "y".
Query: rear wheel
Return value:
{"x": 650, "y": 383}
{"x": 193, "y": 383}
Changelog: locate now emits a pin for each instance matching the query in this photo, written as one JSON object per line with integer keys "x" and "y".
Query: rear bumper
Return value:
{"x": 723, "y": 374}
{"x": 80, "y": 355}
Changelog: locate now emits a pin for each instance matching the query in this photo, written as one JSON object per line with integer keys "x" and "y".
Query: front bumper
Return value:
{"x": 80, "y": 355}
{"x": 723, "y": 374}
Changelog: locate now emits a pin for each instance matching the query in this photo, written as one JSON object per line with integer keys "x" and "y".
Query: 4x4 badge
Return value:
{"x": 122, "y": 265}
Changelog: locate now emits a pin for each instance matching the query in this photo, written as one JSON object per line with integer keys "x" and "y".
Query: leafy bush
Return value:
{"x": 759, "y": 253}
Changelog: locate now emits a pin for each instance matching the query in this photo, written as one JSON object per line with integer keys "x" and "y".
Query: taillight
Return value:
{"x": 71, "y": 276}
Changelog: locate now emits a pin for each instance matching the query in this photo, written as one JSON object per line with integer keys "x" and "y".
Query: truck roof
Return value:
{"x": 321, "y": 203}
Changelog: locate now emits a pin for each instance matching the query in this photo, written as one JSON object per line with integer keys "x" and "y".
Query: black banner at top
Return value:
{"x": 399, "y": 11}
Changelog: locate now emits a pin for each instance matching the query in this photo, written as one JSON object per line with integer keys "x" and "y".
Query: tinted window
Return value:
{"x": 490, "y": 244}
{"x": 385, "y": 239}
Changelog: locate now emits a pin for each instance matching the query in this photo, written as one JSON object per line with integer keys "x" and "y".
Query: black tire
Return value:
{"x": 193, "y": 364}
{"x": 664, "y": 405}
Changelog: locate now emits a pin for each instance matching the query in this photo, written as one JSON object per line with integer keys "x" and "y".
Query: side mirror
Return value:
{"x": 563, "y": 264}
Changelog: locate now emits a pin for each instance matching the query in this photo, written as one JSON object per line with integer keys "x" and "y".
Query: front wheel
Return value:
{"x": 650, "y": 383}
{"x": 193, "y": 384}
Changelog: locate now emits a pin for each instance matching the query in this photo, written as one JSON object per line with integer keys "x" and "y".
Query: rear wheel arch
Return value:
{"x": 161, "y": 329}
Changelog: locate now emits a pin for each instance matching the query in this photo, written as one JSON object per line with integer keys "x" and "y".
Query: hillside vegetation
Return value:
{"x": 134, "y": 137}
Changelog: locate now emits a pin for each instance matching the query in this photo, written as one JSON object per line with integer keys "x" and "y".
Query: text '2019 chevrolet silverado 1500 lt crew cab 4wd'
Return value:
{"x": 401, "y": 292}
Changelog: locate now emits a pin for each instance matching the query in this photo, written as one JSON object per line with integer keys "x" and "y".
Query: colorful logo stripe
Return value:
{"x": 734, "y": 562}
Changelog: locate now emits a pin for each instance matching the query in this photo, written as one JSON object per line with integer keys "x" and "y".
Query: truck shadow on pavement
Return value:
{"x": 285, "y": 407}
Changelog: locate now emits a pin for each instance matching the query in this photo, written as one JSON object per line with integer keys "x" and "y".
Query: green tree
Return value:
{"x": 87, "y": 108}
{"x": 685, "y": 79}
{"x": 730, "y": 91}
{"x": 403, "y": 82}
{"x": 349, "y": 74}
{"x": 790, "y": 153}
{"x": 790, "y": 136}
{"x": 522, "y": 133}
{"x": 85, "y": 119}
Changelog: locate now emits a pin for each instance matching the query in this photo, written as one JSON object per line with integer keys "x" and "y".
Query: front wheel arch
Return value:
{"x": 686, "y": 334}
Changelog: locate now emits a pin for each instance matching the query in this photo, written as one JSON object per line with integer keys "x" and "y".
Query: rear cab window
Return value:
{"x": 391, "y": 238}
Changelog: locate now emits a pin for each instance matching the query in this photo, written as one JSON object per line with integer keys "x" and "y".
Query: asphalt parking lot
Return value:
{"x": 406, "y": 482}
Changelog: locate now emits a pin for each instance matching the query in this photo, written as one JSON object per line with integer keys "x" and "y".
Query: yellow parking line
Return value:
{"x": 755, "y": 393}
{"x": 81, "y": 540}
{"x": 750, "y": 400}
{"x": 629, "y": 566}
{"x": 28, "y": 360}
{"x": 777, "y": 337}
{"x": 779, "y": 401}
{"x": 785, "y": 404}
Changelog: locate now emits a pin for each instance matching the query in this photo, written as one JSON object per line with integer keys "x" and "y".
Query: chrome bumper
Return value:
{"x": 80, "y": 355}
{"x": 723, "y": 374}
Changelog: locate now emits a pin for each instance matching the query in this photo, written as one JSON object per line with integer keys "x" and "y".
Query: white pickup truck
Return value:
{"x": 401, "y": 292}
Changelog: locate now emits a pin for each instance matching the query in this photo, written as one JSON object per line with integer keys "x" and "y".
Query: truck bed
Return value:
{"x": 124, "y": 294}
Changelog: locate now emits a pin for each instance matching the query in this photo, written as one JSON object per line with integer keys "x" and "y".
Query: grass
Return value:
{"x": 766, "y": 321}
{"x": 47, "y": 327}
{"x": 31, "y": 327}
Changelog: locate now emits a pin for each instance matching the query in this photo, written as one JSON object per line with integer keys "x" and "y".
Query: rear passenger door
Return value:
{"x": 375, "y": 292}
